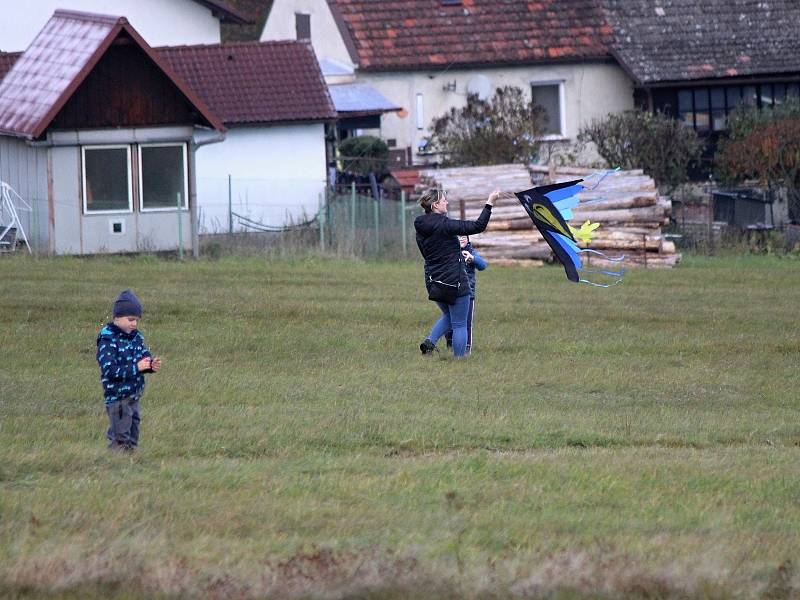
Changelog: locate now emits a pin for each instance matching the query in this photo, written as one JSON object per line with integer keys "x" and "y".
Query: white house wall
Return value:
{"x": 160, "y": 22}
{"x": 24, "y": 168}
{"x": 590, "y": 91}
{"x": 277, "y": 175}
{"x": 325, "y": 37}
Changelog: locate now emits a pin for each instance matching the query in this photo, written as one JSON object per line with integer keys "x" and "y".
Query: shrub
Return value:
{"x": 637, "y": 139}
{"x": 504, "y": 129}
{"x": 764, "y": 144}
{"x": 364, "y": 154}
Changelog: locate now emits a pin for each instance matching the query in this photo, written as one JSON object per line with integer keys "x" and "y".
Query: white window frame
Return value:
{"x": 86, "y": 210}
{"x": 185, "y": 202}
{"x": 562, "y": 109}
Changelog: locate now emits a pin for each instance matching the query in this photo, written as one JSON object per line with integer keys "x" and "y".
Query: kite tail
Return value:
{"x": 574, "y": 252}
{"x": 602, "y": 175}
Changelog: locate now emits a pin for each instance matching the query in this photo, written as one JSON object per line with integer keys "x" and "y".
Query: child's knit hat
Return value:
{"x": 127, "y": 305}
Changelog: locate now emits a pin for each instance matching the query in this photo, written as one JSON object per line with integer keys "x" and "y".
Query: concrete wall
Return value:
{"x": 160, "y": 22}
{"x": 277, "y": 175}
{"x": 24, "y": 168}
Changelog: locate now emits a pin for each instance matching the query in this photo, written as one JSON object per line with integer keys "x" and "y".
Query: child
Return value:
{"x": 473, "y": 261}
{"x": 123, "y": 360}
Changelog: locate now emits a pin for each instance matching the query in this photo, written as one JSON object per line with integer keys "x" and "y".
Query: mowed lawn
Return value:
{"x": 638, "y": 441}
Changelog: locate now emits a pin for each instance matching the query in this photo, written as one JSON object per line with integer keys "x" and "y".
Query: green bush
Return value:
{"x": 637, "y": 139}
{"x": 364, "y": 154}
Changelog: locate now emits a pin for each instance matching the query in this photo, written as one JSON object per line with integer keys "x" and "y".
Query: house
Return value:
{"x": 99, "y": 134}
{"x": 271, "y": 170}
{"x": 269, "y": 99}
{"x": 160, "y": 22}
{"x": 698, "y": 60}
{"x": 428, "y": 59}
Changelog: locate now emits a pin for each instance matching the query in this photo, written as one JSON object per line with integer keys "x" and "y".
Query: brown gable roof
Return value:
{"x": 682, "y": 40}
{"x": 255, "y": 82}
{"x": 59, "y": 59}
{"x": 411, "y": 34}
{"x": 225, "y": 11}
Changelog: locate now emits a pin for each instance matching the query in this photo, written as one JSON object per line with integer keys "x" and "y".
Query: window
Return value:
{"x": 162, "y": 176}
{"x": 420, "y": 115}
{"x": 302, "y": 26}
{"x": 549, "y": 97}
{"x": 106, "y": 179}
{"x": 718, "y": 118}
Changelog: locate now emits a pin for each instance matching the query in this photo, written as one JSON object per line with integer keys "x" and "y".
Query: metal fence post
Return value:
{"x": 180, "y": 229}
{"x": 230, "y": 207}
{"x": 353, "y": 211}
{"x": 376, "y": 212}
{"x": 322, "y": 209}
{"x": 403, "y": 221}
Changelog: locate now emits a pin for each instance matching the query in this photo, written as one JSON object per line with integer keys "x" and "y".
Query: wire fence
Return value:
{"x": 347, "y": 225}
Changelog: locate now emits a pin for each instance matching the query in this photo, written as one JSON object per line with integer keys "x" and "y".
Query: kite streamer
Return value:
{"x": 550, "y": 207}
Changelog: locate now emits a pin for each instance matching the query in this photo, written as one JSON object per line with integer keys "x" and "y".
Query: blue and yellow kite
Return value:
{"x": 550, "y": 207}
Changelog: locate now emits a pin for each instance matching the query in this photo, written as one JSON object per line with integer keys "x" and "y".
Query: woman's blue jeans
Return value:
{"x": 454, "y": 316}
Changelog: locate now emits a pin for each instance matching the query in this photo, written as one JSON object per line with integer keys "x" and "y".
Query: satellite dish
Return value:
{"x": 480, "y": 85}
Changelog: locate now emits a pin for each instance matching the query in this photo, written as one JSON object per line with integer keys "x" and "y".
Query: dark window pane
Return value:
{"x": 701, "y": 99}
{"x": 163, "y": 177}
{"x": 780, "y": 92}
{"x": 302, "y": 25}
{"x": 106, "y": 185}
{"x": 685, "y": 101}
{"x": 734, "y": 95}
{"x": 793, "y": 90}
{"x": 765, "y": 90}
{"x": 717, "y": 98}
{"x": 546, "y": 96}
{"x": 749, "y": 95}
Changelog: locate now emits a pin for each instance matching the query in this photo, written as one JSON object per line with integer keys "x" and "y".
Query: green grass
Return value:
{"x": 640, "y": 441}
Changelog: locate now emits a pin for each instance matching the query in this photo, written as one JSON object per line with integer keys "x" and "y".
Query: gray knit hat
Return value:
{"x": 127, "y": 305}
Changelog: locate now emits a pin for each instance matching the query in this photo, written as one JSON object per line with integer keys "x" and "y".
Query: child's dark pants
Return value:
{"x": 123, "y": 419}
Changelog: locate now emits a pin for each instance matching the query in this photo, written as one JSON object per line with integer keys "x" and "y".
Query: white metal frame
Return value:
{"x": 86, "y": 210}
{"x": 185, "y": 199}
{"x": 7, "y": 206}
{"x": 562, "y": 108}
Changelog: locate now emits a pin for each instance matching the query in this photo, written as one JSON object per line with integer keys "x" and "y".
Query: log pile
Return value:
{"x": 626, "y": 204}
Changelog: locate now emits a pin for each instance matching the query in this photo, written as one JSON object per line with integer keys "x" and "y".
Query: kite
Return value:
{"x": 550, "y": 207}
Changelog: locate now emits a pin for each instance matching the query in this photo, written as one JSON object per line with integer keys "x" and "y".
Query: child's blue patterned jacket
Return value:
{"x": 117, "y": 354}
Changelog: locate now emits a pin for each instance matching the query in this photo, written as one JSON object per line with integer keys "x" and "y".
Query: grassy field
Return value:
{"x": 641, "y": 441}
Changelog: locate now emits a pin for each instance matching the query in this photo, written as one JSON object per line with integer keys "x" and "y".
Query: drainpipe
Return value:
{"x": 193, "y": 212}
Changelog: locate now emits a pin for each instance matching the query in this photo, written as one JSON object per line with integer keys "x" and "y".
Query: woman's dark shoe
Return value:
{"x": 428, "y": 347}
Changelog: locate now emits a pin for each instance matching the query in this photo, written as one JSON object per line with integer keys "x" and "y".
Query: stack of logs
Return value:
{"x": 626, "y": 204}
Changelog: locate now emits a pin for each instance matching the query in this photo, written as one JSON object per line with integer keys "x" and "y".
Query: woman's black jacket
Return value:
{"x": 437, "y": 239}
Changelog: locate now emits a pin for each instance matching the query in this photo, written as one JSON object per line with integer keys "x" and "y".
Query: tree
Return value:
{"x": 764, "y": 144}
{"x": 638, "y": 139}
{"x": 504, "y": 129}
{"x": 364, "y": 154}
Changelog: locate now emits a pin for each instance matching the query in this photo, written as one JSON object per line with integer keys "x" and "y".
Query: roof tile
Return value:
{"x": 474, "y": 33}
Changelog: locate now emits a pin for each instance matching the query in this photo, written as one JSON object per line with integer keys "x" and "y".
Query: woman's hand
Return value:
{"x": 492, "y": 197}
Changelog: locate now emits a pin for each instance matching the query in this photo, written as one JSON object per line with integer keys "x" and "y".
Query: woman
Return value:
{"x": 445, "y": 274}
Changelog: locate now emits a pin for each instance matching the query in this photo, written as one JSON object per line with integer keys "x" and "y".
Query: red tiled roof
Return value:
{"x": 255, "y": 82}
{"x": 410, "y": 34}
{"x": 59, "y": 59}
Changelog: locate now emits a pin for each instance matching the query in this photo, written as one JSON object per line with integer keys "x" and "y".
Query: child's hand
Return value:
{"x": 144, "y": 364}
{"x": 467, "y": 256}
{"x": 155, "y": 364}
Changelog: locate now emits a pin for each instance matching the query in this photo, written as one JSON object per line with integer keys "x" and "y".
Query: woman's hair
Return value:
{"x": 429, "y": 197}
